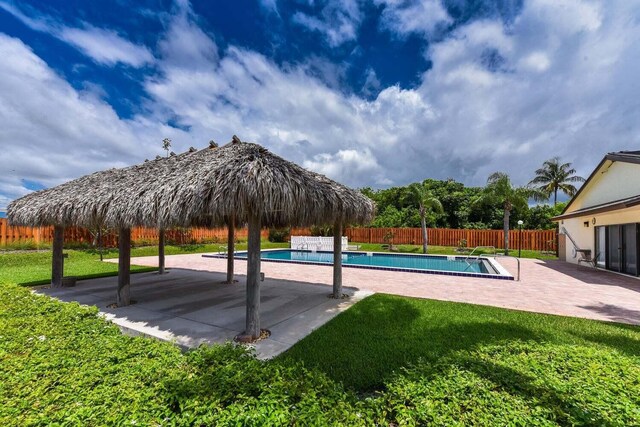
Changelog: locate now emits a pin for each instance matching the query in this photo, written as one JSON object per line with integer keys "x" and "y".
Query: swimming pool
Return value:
{"x": 431, "y": 264}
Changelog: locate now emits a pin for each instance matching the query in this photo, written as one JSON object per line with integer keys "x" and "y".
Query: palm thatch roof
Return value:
{"x": 199, "y": 187}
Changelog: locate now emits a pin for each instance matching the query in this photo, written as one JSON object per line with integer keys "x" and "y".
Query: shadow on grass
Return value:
{"x": 89, "y": 276}
{"x": 565, "y": 406}
{"x": 385, "y": 334}
{"x": 376, "y": 338}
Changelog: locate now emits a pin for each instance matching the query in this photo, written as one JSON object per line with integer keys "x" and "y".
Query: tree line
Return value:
{"x": 497, "y": 205}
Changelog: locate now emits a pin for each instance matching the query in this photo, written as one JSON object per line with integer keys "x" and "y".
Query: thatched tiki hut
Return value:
{"x": 235, "y": 184}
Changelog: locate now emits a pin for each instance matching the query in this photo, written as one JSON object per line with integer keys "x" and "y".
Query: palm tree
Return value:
{"x": 554, "y": 176}
{"x": 420, "y": 195}
{"x": 500, "y": 190}
{"x": 166, "y": 144}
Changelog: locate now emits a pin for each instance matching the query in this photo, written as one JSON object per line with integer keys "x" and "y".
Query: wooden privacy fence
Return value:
{"x": 139, "y": 236}
{"x": 531, "y": 239}
{"x": 537, "y": 240}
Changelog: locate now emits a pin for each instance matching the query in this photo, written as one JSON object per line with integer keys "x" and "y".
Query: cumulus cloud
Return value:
{"x": 185, "y": 44}
{"x": 105, "y": 47}
{"x": 51, "y": 132}
{"x": 562, "y": 94}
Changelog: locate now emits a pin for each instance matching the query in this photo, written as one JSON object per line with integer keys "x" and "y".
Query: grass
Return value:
{"x": 434, "y": 360}
{"x": 386, "y": 361}
{"x": 449, "y": 250}
{"x": 34, "y": 268}
{"x": 375, "y": 339}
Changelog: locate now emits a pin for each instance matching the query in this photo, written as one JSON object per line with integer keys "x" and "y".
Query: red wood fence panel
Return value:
{"x": 531, "y": 239}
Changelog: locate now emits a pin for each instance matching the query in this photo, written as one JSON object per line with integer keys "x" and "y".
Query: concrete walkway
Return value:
{"x": 191, "y": 307}
{"x": 553, "y": 287}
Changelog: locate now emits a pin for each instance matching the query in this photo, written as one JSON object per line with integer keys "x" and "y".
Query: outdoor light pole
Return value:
{"x": 520, "y": 222}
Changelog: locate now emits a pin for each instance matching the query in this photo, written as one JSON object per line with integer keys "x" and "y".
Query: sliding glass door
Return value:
{"x": 617, "y": 248}
{"x": 614, "y": 247}
{"x": 630, "y": 249}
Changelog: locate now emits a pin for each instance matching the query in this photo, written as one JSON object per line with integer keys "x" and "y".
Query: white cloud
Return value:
{"x": 371, "y": 83}
{"x": 536, "y": 61}
{"x": 417, "y": 16}
{"x": 185, "y": 45}
{"x": 105, "y": 47}
{"x": 349, "y": 164}
{"x": 338, "y": 22}
{"x": 561, "y": 91}
{"x": 52, "y": 133}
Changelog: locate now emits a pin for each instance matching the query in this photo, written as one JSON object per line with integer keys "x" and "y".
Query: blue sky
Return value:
{"x": 371, "y": 93}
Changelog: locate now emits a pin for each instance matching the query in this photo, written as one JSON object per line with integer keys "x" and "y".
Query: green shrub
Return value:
{"x": 24, "y": 245}
{"x": 279, "y": 235}
{"x": 211, "y": 240}
{"x": 140, "y": 243}
{"x": 321, "y": 230}
{"x": 519, "y": 384}
{"x": 77, "y": 245}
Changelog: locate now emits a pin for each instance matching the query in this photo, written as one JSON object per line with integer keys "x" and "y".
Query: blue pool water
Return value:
{"x": 404, "y": 262}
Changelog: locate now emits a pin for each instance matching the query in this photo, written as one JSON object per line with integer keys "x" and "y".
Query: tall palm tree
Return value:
{"x": 554, "y": 176}
{"x": 500, "y": 190}
{"x": 421, "y": 196}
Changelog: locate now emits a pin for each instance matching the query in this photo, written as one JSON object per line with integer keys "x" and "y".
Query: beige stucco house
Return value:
{"x": 602, "y": 221}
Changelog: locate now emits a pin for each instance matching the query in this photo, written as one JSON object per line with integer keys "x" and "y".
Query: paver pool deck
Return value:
{"x": 191, "y": 306}
{"x": 550, "y": 286}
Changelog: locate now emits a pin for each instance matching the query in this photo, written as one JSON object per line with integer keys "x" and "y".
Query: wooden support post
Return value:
{"x": 124, "y": 262}
{"x": 230, "y": 249}
{"x": 337, "y": 260}
{"x": 252, "y": 330}
{"x": 57, "y": 260}
{"x": 3, "y": 232}
{"x": 161, "y": 251}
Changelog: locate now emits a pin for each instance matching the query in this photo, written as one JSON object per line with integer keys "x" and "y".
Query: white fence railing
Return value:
{"x": 316, "y": 243}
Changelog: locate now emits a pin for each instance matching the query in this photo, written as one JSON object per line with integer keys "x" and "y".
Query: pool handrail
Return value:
{"x": 517, "y": 259}
{"x": 466, "y": 259}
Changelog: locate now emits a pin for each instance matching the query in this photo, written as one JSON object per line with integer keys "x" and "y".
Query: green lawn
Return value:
{"x": 34, "y": 268}
{"x": 430, "y": 360}
{"x": 386, "y": 361}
